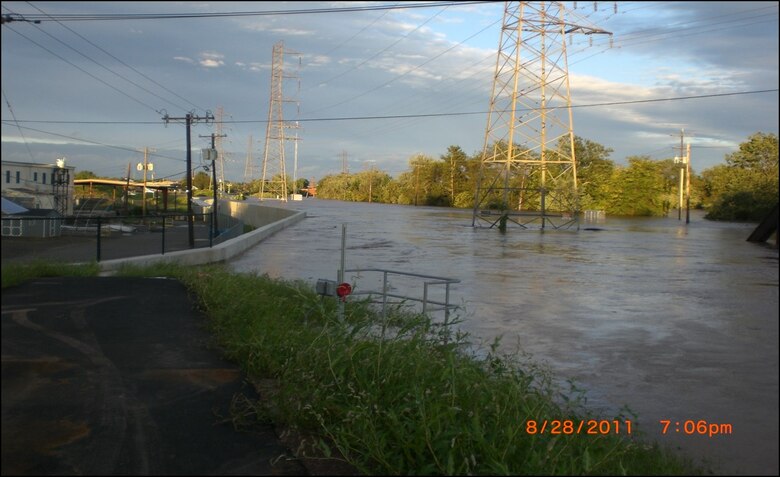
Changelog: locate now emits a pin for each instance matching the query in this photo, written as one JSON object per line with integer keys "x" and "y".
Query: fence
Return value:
{"x": 115, "y": 236}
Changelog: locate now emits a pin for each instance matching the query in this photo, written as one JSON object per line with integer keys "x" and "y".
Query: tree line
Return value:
{"x": 745, "y": 188}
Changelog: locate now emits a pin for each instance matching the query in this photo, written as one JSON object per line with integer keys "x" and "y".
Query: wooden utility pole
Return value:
{"x": 127, "y": 187}
{"x": 688, "y": 185}
{"x": 190, "y": 118}
{"x": 213, "y": 155}
{"x": 145, "y": 167}
{"x": 680, "y": 188}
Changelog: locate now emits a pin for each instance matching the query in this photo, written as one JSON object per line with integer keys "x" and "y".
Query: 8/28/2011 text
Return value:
{"x": 577, "y": 426}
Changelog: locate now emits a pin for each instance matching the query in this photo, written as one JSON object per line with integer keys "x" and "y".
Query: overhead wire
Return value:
{"x": 126, "y": 65}
{"x": 402, "y": 117}
{"x": 372, "y": 57}
{"x": 168, "y": 16}
{"x": 21, "y": 133}
{"x": 433, "y": 115}
{"x": 123, "y": 93}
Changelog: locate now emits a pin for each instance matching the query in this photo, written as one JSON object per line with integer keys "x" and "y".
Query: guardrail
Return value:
{"x": 412, "y": 281}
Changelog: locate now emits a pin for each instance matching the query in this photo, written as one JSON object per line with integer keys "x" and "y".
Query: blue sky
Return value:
{"x": 68, "y": 85}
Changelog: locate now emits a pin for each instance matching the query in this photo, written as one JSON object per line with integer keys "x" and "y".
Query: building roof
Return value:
{"x": 11, "y": 208}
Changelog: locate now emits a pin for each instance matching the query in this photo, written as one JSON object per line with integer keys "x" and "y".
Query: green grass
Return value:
{"x": 403, "y": 396}
{"x": 17, "y": 273}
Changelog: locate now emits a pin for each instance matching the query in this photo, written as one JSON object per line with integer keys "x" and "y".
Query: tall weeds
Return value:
{"x": 410, "y": 399}
{"x": 399, "y": 395}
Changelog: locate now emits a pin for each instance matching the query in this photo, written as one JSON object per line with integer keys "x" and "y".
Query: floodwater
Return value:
{"x": 678, "y": 322}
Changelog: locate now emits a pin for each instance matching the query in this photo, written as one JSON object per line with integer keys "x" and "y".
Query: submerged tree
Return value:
{"x": 746, "y": 188}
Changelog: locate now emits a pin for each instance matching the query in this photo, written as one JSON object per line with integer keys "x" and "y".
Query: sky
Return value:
{"x": 368, "y": 88}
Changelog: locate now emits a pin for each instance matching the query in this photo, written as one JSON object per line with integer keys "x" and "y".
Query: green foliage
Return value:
{"x": 594, "y": 171}
{"x": 401, "y": 396}
{"x": 404, "y": 400}
{"x": 746, "y": 188}
{"x": 17, "y": 273}
{"x": 741, "y": 206}
{"x": 644, "y": 187}
{"x": 201, "y": 180}
{"x": 639, "y": 190}
{"x": 85, "y": 175}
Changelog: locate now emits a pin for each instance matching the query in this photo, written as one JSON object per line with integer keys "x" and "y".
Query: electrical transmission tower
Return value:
{"x": 249, "y": 167}
{"x": 528, "y": 174}
{"x": 274, "y": 180}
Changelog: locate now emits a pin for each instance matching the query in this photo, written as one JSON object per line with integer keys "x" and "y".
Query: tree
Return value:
{"x": 746, "y": 188}
{"x": 201, "y": 180}
{"x": 455, "y": 171}
{"x": 594, "y": 170}
{"x": 638, "y": 189}
{"x": 85, "y": 175}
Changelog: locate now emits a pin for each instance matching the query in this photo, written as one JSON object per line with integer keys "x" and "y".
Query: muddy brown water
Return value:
{"x": 678, "y": 322}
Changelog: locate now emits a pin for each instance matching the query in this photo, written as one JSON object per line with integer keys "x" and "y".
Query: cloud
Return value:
{"x": 211, "y": 60}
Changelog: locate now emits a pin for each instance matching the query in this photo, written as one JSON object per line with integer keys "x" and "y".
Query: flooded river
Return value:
{"x": 678, "y": 322}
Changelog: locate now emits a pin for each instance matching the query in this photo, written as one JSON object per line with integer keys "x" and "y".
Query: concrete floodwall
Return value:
{"x": 254, "y": 214}
{"x": 268, "y": 221}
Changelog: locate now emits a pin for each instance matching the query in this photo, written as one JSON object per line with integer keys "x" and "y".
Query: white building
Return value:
{"x": 39, "y": 186}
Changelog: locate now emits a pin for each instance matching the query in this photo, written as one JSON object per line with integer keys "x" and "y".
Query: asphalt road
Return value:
{"x": 108, "y": 375}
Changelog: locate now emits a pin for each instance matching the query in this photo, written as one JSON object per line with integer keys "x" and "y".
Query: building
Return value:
{"x": 39, "y": 186}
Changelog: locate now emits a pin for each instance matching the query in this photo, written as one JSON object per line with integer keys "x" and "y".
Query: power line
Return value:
{"x": 82, "y": 70}
{"x": 374, "y": 56}
{"x": 97, "y": 143}
{"x": 426, "y": 115}
{"x": 169, "y": 16}
{"x": 106, "y": 68}
{"x": 21, "y": 133}
{"x": 123, "y": 63}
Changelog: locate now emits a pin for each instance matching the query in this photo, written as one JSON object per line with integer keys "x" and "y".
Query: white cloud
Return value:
{"x": 211, "y": 60}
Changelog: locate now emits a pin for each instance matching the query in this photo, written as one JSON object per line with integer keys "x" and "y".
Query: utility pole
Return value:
{"x": 213, "y": 156}
{"x": 682, "y": 172}
{"x": 370, "y": 178}
{"x": 127, "y": 188}
{"x": 189, "y": 119}
{"x": 344, "y": 164}
{"x": 145, "y": 167}
{"x": 529, "y": 128}
{"x": 688, "y": 185}
{"x": 221, "y": 157}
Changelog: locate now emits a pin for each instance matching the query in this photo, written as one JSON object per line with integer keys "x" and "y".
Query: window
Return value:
{"x": 43, "y": 181}
{"x": 18, "y": 176}
{"x": 35, "y": 177}
{"x": 7, "y": 177}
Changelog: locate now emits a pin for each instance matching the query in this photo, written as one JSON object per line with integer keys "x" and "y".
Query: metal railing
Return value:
{"x": 115, "y": 236}
{"x": 429, "y": 303}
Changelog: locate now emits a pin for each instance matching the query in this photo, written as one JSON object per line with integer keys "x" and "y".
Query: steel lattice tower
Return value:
{"x": 274, "y": 180}
{"x": 529, "y": 173}
{"x": 249, "y": 167}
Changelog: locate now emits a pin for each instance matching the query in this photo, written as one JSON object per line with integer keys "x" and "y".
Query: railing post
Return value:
{"x": 98, "y": 237}
{"x": 384, "y": 294}
{"x": 425, "y": 297}
{"x": 211, "y": 229}
{"x": 163, "y": 235}
{"x": 446, "y": 304}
